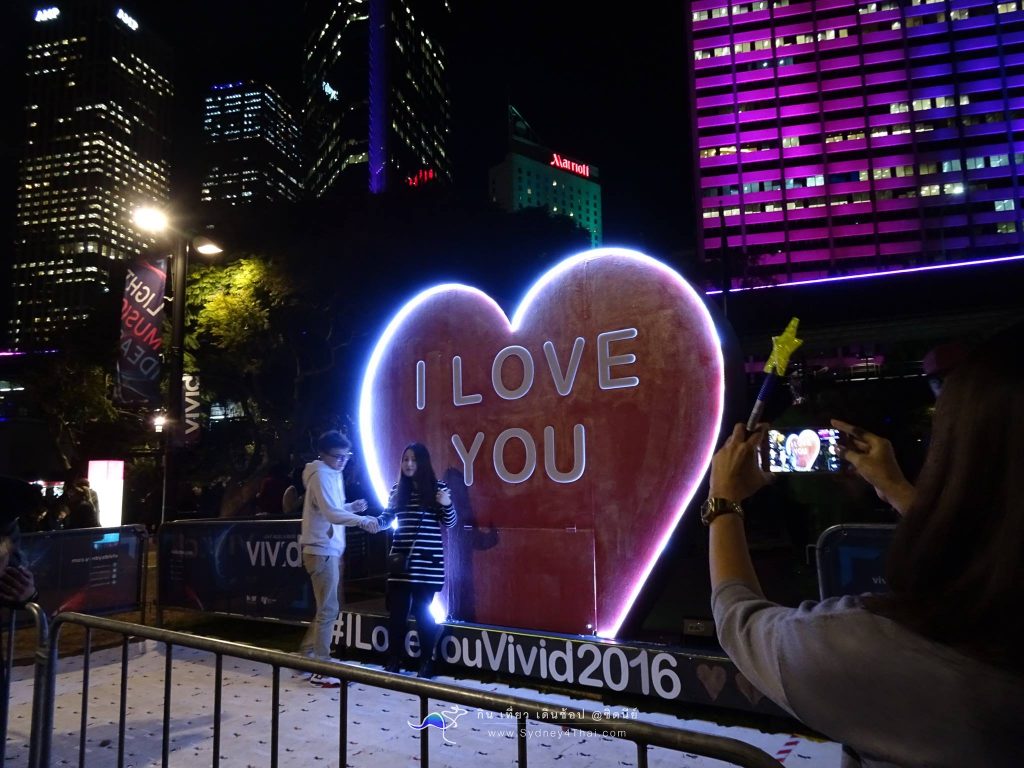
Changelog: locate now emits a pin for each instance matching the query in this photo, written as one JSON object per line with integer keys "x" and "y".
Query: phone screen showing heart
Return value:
{"x": 802, "y": 450}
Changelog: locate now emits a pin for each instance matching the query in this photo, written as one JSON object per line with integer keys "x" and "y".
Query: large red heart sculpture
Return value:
{"x": 574, "y": 435}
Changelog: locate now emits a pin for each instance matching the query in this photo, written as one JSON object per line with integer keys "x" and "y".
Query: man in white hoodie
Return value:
{"x": 325, "y": 514}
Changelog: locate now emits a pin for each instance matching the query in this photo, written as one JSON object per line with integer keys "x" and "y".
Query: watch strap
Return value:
{"x": 715, "y": 507}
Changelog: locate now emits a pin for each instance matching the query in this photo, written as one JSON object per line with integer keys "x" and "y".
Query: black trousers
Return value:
{"x": 405, "y": 598}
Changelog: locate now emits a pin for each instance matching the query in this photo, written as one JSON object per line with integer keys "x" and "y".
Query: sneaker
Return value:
{"x": 427, "y": 669}
{"x": 323, "y": 681}
{"x": 393, "y": 665}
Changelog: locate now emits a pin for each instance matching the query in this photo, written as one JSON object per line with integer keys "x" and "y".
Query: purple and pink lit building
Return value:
{"x": 845, "y": 137}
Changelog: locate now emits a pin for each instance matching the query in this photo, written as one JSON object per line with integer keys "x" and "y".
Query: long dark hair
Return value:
{"x": 424, "y": 482}
{"x": 956, "y": 566}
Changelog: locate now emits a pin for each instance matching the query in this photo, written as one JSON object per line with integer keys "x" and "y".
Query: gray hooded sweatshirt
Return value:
{"x": 325, "y": 512}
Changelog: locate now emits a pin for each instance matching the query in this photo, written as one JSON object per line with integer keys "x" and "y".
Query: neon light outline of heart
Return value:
{"x": 691, "y": 302}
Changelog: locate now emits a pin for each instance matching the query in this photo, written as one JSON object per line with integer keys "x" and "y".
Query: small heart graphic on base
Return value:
{"x": 747, "y": 689}
{"x": 713, "y": 679}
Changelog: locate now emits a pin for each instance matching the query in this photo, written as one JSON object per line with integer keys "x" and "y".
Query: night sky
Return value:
{"x": 599, "y": 85}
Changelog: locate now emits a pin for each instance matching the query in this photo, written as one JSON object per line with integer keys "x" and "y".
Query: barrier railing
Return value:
{"x": 90, "y": 569}
{"x": 7, "y": 628}
{"x": 643, "y": 735}
{"x": 252, "y": 569}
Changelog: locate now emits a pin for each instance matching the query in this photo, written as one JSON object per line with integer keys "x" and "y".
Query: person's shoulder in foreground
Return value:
{"x": 929, "y": 673}
{"x": 851, "y": 673}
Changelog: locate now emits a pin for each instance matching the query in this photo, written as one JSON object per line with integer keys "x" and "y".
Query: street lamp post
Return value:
{"x": 176, "y": 360}
{"x": 176, "y": 365}
{"x": 156, "y": 222}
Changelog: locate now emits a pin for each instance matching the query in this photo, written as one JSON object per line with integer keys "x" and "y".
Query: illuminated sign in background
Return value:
{"x": 128, "y": 21}
{"x": 580, "y": 169}
{"x": 573, "y": 436}
{"x": 422, "y": 176}
{"x": 107, "y": 479}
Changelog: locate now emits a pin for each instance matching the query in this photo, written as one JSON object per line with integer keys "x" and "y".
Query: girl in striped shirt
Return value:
{"x": 422, "y": 504}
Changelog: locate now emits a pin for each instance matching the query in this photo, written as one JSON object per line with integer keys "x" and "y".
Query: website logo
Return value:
{"x": 443, "y": 721}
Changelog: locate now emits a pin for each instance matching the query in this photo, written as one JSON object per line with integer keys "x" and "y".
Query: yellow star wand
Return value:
{"x": 782, "y": 347}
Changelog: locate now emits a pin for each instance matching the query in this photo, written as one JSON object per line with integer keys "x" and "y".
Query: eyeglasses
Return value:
{"x": 339, "y": 456}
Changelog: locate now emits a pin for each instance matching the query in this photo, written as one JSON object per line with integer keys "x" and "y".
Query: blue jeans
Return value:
{"x": 325, "y": 573}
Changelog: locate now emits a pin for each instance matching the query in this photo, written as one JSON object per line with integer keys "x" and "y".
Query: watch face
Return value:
{"x": 707, "y": 512}
{"x": 712, "y": 508}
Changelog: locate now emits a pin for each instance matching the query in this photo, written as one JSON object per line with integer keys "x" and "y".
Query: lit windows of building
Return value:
{"x": 376, "y": 109}
{"x": 252, "y": 142}
{"x": 905, "y": 112}
{"x": 96, "y": 118}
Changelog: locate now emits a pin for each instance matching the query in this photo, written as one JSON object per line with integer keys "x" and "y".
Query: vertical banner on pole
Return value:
{"x": 142, "y": 317}
{"x": 193, "y": 414}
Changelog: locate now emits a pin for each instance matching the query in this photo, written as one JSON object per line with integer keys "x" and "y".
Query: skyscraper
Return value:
{"x": 376, "y": 112}
{"x": 96, "y": 147}
{"x": 532, "y": 176}
{"x": 843, "y": 138}
{"x": 252, "y": 146}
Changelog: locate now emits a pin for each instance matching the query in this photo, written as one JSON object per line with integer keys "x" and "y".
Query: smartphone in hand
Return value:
{"x": 806, "y": 450}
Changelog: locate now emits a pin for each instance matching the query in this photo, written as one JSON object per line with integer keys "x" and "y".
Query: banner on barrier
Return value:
{"x": 248, "y": 567}
{"x": 91, "y": 570}
{"x": 585, "y": 663}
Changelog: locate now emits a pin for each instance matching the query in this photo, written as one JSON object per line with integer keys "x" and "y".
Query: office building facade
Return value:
{"x": 376, "y": 113}
{"x": 841, "y": 137}
{"x": 532, "y": 176}
{"x": 96, "y": 115}
{"x": 252, "y": 146}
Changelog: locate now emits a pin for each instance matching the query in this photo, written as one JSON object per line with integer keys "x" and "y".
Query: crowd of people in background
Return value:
{"x": 54, "y": 508}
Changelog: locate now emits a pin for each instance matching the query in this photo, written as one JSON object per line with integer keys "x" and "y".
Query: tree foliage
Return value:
{"x": 230, "y": 309}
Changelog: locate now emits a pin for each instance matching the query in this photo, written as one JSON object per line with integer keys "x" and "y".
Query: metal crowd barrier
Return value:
{"x": 644, "y": 735}
{"x": 96, "y": 569}
{"x": 7, "y": 628}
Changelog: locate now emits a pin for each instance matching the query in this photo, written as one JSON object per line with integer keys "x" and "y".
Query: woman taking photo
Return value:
{"x": 421, "y": 504}
{"x": 932, "y": 672}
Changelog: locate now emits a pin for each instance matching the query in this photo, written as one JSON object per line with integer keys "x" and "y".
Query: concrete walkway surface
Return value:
{"x": 381, "y": 733}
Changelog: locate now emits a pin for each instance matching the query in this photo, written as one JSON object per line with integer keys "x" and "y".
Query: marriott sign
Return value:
{"x": 566, "y": 164}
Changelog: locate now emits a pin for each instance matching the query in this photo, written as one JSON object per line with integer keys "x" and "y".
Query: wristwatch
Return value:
{"x": 712, "y": 508}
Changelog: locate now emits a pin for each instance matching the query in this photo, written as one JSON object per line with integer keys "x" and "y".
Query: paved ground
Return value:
{"x": 380, "y": 734}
